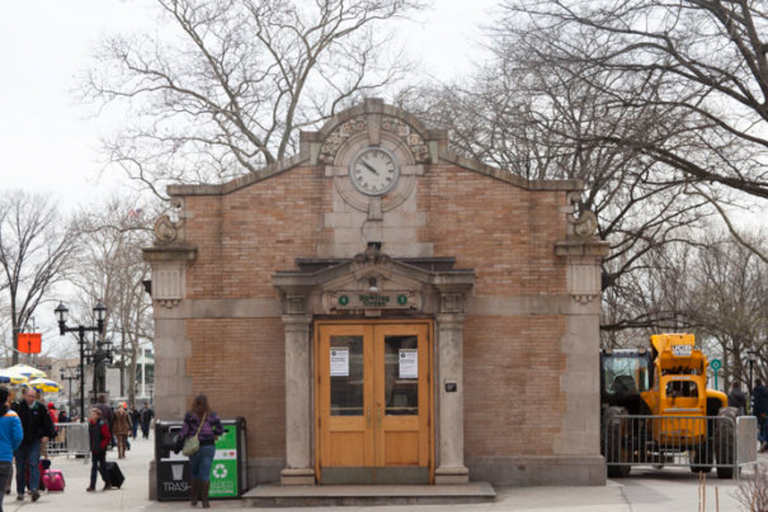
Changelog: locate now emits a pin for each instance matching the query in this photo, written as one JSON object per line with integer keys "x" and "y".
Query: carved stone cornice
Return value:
{"x": 582, "y": 248}
{"x": 170, "y": 253}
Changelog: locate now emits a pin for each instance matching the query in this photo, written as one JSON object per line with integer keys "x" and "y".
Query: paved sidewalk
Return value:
{"x": 647, "y": 490}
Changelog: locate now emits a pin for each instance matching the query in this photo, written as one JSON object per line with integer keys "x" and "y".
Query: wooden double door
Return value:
{"x": 374, "y": 404}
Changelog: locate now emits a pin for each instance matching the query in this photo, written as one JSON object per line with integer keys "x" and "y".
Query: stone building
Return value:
{"x": 382, "y": 310}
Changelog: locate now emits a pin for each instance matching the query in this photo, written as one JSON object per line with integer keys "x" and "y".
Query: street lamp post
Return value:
{"x": 61, "y": 315}
{"x": 752, "y": 358}
{"x": 99, "y": 356}
{"x": 69, "y": 379}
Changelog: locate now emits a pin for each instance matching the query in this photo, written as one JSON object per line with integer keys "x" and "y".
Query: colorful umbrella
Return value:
{"x": 45, "y": 385}
{"x": 7, "y": 378}
{"x": 26, "y": 371}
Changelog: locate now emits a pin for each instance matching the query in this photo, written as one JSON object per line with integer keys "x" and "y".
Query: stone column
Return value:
{"x": 450, "y": 371}
{"x": 298, "y": 405}
{"x": 578, "y": 443}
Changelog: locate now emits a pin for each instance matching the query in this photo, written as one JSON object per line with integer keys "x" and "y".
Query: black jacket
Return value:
{"x": 35, "y": 421}
{"x": 738, "y": 399}
{"x": 760, "y": 401}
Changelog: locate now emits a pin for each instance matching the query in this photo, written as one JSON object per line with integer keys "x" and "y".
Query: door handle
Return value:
{"x": 378, "y": 415}
{"x": 368, "y": 416}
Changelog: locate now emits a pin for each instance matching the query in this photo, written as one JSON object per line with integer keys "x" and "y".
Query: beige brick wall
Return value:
{"x": 505, "y": 233}
{"x": 512, "y": 399}
{"x": 240, "y": 365}
{"x": 244, "y": 237}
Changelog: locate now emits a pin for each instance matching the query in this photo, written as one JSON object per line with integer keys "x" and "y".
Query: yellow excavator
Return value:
{"x": 656, "y": 408}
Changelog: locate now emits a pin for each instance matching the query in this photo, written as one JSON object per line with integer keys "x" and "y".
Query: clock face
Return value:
{"x": 374, "y": 171}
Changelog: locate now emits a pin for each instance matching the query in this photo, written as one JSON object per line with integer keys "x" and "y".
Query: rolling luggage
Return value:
{"x": 115, "y": 477}
{"x": 53, "y": 479}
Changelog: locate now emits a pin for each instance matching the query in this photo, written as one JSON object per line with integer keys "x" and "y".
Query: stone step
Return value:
{"x": 365, "y": 495}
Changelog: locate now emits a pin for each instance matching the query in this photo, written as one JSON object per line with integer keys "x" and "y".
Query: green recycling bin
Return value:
{"x": 228, "y": 471}
{"x": 229, "y": 468}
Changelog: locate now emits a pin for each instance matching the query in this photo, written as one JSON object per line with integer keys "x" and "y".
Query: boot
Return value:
{"x": 195, "y": 490}
{"x": 204, "y": 493}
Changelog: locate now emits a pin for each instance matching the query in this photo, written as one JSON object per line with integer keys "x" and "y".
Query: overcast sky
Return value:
{"x": 49, "y": 144}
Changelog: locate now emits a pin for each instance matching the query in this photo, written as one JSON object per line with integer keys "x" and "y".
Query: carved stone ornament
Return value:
{"x": 452, "y": 303}
{"x": 371, "y": 256}
{"x": 586, "y": 225}
{"x": 169, "y": 303}
{"x": 412, "y": 139}
{"x": 339, "y": 136}
{"x": 295, "y": 305}
{"x": 166, "y": 230}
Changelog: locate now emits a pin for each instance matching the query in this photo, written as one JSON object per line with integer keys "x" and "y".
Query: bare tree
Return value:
{"x": 702, "y": 60}
{"x": 230, "y": 83}
{"x": 535, "y": 118}
{"x": 36, "y": 245}
{"x": 728, "y": 302}
{"x": 110, "y": 268}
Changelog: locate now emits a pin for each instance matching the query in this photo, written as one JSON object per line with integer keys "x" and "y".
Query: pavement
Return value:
{"x": 646, "y": 490}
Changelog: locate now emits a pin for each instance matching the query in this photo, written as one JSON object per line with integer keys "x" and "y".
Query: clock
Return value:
{"x": 374, "y": 171}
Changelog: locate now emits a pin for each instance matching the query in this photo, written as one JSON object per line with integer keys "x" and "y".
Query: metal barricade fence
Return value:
{"x": 698, "y": 442}
{"x": 72, "y": 440}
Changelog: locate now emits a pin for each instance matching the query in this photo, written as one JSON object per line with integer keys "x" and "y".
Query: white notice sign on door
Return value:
{"x": 339, "y": 362}
{"x": 409, "y": 363}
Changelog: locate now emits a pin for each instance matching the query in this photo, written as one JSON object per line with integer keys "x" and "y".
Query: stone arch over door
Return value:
{"x": 433, "y": 288}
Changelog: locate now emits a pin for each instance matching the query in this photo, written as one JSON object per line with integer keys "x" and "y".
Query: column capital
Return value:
{"x": 296, "y": 321}
{"x": 447, "y": 321}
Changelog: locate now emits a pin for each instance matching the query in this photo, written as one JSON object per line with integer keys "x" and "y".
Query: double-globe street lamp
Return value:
{"x": 61, "y": 315}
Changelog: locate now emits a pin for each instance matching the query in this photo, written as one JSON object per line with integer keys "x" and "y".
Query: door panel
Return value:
{"x": 402, "y": 384}
{"x": 373, "y": 402}
{"x": 345, "y": 435}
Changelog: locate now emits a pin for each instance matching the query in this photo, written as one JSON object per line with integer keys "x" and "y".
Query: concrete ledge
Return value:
{"x": 366, "y": 495}
{"x": 555, "y": 470}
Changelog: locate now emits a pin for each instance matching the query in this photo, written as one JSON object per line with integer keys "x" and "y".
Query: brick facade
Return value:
{"x": 521, "y": 324}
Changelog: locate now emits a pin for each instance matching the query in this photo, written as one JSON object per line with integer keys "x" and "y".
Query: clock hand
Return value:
{"x": 369, "y": 167}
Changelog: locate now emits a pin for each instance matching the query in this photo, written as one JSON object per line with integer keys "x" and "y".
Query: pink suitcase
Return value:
{"x": 53, "y": 480}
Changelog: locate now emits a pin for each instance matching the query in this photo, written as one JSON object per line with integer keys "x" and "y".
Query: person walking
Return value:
{"x": 99, "y": 436}
{"x": 202, "y": 422}
{"x": 11, "y": 434}
{"x": 760, "y": 410}
{"x": 135, "y": 420}
{"x": 107, "y": 414}
{"x": 38, "y": 429}
{"x": 122, "y": 429}
{"x": 737, "y": 398}
{"x": 146, "y": 418}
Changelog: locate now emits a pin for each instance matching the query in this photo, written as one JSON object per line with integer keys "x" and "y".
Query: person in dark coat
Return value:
{"x": 99, "y": 437}
{"x": 135, "y": 420}
{"x": 760, "y": 410}
{"x": 146, "y": 418}
{"x": 38, "y": 429}
{"x": 737, "y": 399}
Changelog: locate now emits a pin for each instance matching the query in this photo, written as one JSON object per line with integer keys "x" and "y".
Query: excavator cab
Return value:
{"x": 624, "y": 375}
